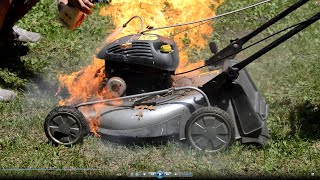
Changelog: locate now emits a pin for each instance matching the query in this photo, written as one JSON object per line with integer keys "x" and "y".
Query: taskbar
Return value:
{"x": 160, "y": 174}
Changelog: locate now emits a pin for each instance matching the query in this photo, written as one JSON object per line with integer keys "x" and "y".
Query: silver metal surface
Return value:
{"x": 147, "y": 94}
{"x": 168, "y": 116}
{"x": 116, "y": 86}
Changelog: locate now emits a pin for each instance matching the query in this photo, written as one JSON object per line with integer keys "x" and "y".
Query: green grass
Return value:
{"x": 288, "y": 77}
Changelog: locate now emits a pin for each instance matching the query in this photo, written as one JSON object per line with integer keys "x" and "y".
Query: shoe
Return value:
{"x": 26, "y": 36}
{"x": 7, "y": 95}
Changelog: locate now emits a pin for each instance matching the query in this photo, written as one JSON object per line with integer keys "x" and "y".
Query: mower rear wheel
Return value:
{"x": 66, "y": 125}
{"x": 210, "y": 129}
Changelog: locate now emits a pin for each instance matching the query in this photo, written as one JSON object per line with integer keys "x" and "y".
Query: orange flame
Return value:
{"x": 168, "y": 12}
{"x": 85, "y": 84}
{"x": 94, "y": 122}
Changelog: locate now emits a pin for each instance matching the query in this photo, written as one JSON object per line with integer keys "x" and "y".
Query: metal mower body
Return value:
{"x": 166, "y": 118}
{"x": 168, "y": 115}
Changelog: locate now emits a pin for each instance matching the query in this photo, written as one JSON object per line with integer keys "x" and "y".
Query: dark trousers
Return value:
{"x": 17, "y": 9}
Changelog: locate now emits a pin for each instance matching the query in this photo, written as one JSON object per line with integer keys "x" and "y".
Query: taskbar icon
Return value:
{"x": 161, "y": 174}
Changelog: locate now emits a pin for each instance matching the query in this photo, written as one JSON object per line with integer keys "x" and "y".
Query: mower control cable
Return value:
{"x": 141, "y": 20}
{"x": 249, "y": 46}
{"x": 206, "y": 19}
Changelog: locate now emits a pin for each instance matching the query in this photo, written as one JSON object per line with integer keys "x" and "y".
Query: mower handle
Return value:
{"x": 277, "y": 42}
{"x": 232, "y": 72}
{"x": 235, "y": 47}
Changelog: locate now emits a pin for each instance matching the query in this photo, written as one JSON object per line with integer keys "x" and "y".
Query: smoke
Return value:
{"x": 113, "y": 36}
{"x": 41, "y": 86}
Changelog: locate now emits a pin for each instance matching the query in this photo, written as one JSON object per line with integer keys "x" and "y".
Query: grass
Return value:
{"x": 288, "y": 77}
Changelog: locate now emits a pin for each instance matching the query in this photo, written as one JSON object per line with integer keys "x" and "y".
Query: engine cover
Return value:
{"x": 147, "y": 50}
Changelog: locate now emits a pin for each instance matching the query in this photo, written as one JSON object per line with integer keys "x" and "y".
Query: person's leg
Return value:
{"x": 4, "y": 8}
{"x": 10, "y": 36}
{"x": 5, "y": 95}
{"x": 9, "y": 15}
{"x": 17, "y": 10}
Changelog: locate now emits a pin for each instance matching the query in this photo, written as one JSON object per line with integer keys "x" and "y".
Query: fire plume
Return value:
{"x": 167, "y": 12}
{"x": 84, "y": 85}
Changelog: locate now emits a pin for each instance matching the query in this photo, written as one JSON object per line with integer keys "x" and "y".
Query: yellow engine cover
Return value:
{"x": 166, "y": 48}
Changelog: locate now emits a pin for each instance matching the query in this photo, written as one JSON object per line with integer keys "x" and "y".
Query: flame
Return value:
{"x": 85, "y": 84}
{"x": 167, "y": 12}
{"x": 113, "y": 36}
{"x": 94, "y": 121}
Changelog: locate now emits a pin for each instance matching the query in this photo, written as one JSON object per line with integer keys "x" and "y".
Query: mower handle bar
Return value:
{"x": 235, "y": 47}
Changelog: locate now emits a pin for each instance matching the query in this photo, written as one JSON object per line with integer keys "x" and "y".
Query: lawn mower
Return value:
{"x": 211, "y": 111}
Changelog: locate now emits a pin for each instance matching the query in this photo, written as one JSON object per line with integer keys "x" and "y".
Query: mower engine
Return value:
{"x": 138, "y": 64}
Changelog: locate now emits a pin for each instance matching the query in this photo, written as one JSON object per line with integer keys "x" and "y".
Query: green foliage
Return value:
{"x": 10, "y": 78}
{"x": 186, "y": 40}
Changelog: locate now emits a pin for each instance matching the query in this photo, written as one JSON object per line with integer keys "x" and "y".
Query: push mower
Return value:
{"x": 211, "y": 111}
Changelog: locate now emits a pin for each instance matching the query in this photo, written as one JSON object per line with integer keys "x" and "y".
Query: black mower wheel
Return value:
{"x": 66, "y": 125}
{"x": 210, "y": 129}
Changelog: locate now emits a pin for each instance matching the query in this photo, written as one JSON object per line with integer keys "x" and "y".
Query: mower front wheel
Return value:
{"x": 210, "y": 129}
{"x": 66, "y": 125}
